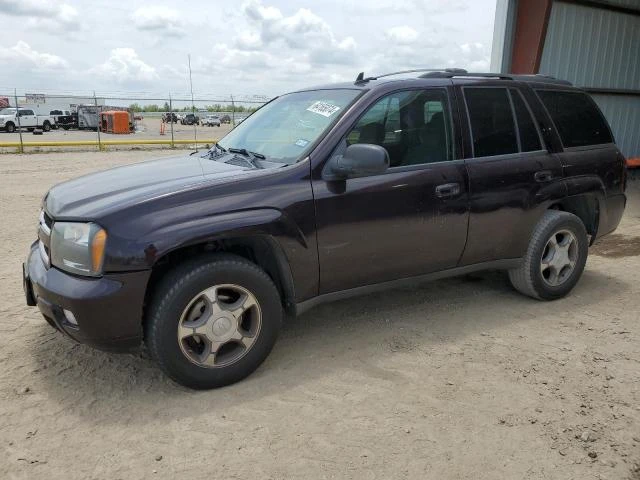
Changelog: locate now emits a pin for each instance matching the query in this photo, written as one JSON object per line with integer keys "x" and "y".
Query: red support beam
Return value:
{"x": 532, "y": 19}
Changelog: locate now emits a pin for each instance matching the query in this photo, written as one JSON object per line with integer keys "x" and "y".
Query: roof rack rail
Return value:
{"x": 461, "y": 72}
{"x": 451, "y": 74}
{"x": 361, "y": 78}
{"x": 537, "y": 77}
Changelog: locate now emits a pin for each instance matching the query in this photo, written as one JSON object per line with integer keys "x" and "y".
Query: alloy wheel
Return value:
{"x": 219, "y": 326}
{"x": 559, "y": 258}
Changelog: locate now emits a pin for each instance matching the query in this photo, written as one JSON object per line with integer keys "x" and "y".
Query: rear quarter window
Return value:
{"x": 576, "y": 117}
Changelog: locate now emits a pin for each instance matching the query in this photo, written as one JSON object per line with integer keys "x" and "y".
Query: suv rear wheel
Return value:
{"x": 555, "y": 258}
{"x": 213, "y": 321}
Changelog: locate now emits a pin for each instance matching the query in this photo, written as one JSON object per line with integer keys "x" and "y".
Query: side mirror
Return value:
{"x": 359, "y": 160}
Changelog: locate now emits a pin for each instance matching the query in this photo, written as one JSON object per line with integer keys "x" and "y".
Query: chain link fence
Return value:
{"x": 46, "y": 121}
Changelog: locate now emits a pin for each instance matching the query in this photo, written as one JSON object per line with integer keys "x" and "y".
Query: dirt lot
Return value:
{"x": 461, "y": 378}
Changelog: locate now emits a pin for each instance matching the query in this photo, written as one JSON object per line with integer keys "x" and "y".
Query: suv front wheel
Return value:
{"x": 555, "y": 258}
{"x": 213, "y": 321}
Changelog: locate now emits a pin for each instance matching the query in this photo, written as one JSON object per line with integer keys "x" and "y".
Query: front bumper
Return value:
{"x": 108, "y": 310}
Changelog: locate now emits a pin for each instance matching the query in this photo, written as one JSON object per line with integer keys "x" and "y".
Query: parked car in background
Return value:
{"x": 210, "y": 121}
{"x": 9, "y": 120}
{"x": 169, "y": 117}
{"x": 64, "y": 119}
{"x": 190, "y": 119}
{"x": 320, "y": 195}
{"x": 67, "y": 121}
{"x": 225, "y": 119}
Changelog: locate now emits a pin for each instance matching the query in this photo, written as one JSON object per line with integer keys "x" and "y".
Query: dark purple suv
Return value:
{"x": 323, "y": 194}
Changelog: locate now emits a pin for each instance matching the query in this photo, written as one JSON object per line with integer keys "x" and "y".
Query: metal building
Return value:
{"x": 595, "y": 44}
{"x": 43, "y": 103}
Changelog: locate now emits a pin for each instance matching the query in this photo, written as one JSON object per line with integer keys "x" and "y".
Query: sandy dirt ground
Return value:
{"x": 456, "y": 379}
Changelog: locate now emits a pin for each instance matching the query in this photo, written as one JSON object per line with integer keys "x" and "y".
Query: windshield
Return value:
{"x": 8, "y": 111}
{"x": 285, "y": 129}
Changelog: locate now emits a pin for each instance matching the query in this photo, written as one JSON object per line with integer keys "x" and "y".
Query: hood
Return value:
{"x": 90, "y": 196}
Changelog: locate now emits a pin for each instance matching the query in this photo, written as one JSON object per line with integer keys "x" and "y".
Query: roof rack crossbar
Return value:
{"x": 362, "y": 79}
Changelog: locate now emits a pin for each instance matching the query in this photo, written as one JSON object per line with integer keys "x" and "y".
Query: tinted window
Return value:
{"x": 413, "y": 126}
{"x": 529, "y": 139}
{"x": 492, "y": 126}
{"x": 576, "y": 117}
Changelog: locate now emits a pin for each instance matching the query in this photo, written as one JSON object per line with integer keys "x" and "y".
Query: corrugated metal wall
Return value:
{"x": 623, "y": 113}
{"x": 593, "y": 47}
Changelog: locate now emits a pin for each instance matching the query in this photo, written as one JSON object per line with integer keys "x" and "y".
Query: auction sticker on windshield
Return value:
{"x": 323, "y": 108}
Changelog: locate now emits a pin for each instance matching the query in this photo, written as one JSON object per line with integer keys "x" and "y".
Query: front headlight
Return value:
{"x": 78, "y": 247}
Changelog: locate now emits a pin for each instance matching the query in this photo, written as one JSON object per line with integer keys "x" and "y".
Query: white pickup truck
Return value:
{"x": 9, "y": 121}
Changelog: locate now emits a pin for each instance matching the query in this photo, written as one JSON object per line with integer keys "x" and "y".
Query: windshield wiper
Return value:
{"x": 247, "y": 153}
{"x": 216, "y": 146}
{"x": 250, "y": 155}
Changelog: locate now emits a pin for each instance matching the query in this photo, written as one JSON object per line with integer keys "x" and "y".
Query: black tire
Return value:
{"x": 46, "y": 126}
{"x": 65, "y": 127}
{"x": 10, "y": 127}
{"x": 528, "y": 278}
{"x": 179, "y": 287}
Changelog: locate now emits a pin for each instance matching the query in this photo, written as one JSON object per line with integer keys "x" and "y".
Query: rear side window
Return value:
{"x": 529, "y": 138}
{"x": 575, "y": 115}
{"x": 492, "y": 125}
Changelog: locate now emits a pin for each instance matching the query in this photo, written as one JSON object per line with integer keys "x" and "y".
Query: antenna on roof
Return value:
{"x": 360, "y": 77}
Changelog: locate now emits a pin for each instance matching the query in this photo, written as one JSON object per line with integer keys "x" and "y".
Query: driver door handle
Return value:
{"x": 448, "y": 190}
{"x": 543, "y": 176}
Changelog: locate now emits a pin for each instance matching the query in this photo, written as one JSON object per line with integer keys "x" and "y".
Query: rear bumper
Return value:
{"x": 108, "y": 310}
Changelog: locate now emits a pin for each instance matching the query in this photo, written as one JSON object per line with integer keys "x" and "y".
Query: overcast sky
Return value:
{"x": 255, "y": 47}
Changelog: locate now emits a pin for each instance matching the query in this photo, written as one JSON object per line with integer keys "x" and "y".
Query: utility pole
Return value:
{"x": 95, "y": 102}
{"x": 233, "y": 112}
{"x": 193, "y": 107}
{"x": 15, "y": 95}
{"x": 171, "y": 119}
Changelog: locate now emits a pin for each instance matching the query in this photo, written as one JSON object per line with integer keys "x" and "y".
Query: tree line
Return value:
{"x": 217, "y": 107}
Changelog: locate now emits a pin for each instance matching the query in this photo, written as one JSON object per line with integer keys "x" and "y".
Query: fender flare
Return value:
{"x": 240, "y": 223}
{"x": 589, "y": 187}
{"x": 270, "y": 226}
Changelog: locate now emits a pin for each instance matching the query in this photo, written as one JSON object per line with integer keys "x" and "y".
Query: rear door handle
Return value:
{"x": 543, "y": 176}
{"x": 448, "y": 190}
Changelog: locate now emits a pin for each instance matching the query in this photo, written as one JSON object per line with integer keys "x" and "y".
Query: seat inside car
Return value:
{"x": 372, "y": 133}
{"x": 431, "y": 145}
